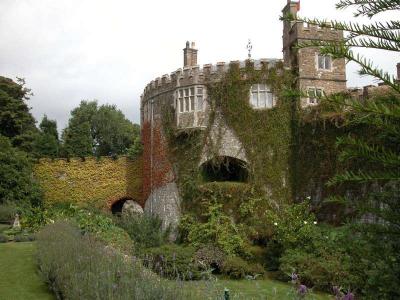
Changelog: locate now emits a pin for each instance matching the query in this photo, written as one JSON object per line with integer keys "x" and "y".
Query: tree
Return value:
{"x": 16, "y": 182}
{"x": 372, "y": 159}
{"x": 16, "y": 121}
{"x": 46, "y": 143}
{"x": 113, "y": 132}
{"x": 100, "y": 131}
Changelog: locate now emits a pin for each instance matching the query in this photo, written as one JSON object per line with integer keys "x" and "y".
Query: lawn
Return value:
{"x": 19, "y": 280}
{"x": 18, "y": 277}
{"x": 263, "y": 289}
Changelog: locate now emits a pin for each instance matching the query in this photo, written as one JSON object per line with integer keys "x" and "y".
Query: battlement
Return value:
{"x": 194, "y": 75}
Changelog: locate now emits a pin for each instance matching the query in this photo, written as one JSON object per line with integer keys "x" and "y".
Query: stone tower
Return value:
{"x": 316, "y": 73}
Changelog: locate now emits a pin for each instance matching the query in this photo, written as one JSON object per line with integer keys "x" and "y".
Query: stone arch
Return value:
{"x": 117, "y": 204}
{"x": 225, "y": 168}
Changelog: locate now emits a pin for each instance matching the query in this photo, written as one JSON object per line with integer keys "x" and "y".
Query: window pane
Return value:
{"x": 191, "y": 103}
{"x": 270, "y": 99}
{"x": 254, "y": 88}
{"x": 200, "y": 90}
{"x": 328, "y": 62}
{"x": 186, "y": 103}
{"x": 311, "y": 93}
{"x": 186, "y": 92}
{"x": 200, "y": 103}
{"x": 319, "y": 93}
{"x": 321, "y": 62}
{"x": 181, "y": 93}
{"x": 254, "y": 99}
{"x": 192, "y": 91}
{"x": 262, "y": 100}
{"x": 181, "y": 105}
{"x": 262, "y": 87}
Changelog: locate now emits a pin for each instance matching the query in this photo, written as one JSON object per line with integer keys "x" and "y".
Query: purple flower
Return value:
{"x": 302, "y": 290}
{"x": 349, "y": 296}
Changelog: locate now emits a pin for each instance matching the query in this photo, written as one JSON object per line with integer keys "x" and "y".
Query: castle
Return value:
{"x": 185, "y": 91}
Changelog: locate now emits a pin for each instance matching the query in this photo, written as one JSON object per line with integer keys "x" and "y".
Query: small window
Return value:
{"x": 324, "y": 62}
{"x": 190, "y": 99}
{"x": 261, "y": 96}
{"x": 314, "y": 94}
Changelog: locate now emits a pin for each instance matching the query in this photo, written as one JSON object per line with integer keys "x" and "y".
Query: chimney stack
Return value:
{"x": 189, "y": 55}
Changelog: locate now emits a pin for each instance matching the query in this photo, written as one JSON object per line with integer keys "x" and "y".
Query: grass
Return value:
{"x": 265, "y": 289}
{"x": 18, "y": 277}
{"x": 20, "y": 281}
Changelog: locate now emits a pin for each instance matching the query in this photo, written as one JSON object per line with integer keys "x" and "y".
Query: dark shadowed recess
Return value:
{"x": 224, "y": 168}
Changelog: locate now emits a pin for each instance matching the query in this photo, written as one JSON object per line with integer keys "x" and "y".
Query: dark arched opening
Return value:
{"x": 225, "y": 168}
{"x": 116, "y": 207}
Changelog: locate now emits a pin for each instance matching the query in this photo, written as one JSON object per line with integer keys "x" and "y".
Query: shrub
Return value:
{"x": 146, "y": 231}
{"x": 3, "y": 238}
{"x": 97, "y": 223}
{"x": 20, "y": 238}
{"x": 78, "y": 266}
{"x": 237, "y": 268}
{"x": 219, "y": 229}
{"x": 209, "y": 258}
{"x": 173, "y": 261}
{"x": 7, "y": 212}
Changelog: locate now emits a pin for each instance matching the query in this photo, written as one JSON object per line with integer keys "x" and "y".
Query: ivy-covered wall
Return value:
{"x": 96, "y": 182}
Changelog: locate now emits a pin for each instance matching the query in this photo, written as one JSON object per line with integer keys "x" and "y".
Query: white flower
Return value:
{"x": 305, "y": 222}
{"x": 308, "y": 197}
{"x": 276, "y": 224}
{"x": 51, "y": 221}
{"x": 315, "y": 222}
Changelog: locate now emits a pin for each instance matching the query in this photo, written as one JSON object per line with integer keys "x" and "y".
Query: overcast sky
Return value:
{"x": 70, "y": 50}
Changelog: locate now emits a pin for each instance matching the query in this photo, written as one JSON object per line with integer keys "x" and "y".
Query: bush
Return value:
{"x": 78, "y": 266}
{"x": 97, "y": 223}
{"x": 146, "y": 231}
{"x": 7, "y": 212}
{"x": 219, "y": 230}
{"x": 3, "y": 238}
{"x": 237, "y": 268}
{"x": 173, "y": 261}
{"x": 209, "y": 258}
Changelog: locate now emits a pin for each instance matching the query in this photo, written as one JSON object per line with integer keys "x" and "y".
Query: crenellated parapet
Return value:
{"x": 198, "y": 75}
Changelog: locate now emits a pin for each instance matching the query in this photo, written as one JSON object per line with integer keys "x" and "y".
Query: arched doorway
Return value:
{"x": 116, "y": 207}
{"x": 225, "y": 168}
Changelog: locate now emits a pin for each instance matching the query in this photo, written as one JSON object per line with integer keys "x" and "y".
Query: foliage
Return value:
{"x": 79, "y": 267}
{"x": 136, "y": 149}
{"x": 3, "y": 238}
{"x": 93, "y": 222}
{"x": 16, "y": 183}
{"x": 293, "y": 225}
{"x": 218, "y": 229}
{"x": 98, "y": 130}
{"x": 173, "y": 261}
{"x": 146, "y": 231}
{"x": 16, "y": 121}
{"x": 209, "y": 257}
{"x": 7, "y": 212}
{"x": 46, "y": 143}
{"x": 238, "y": 268}
{"x": 371, "y": 162}
{"x": 89, "y": 183}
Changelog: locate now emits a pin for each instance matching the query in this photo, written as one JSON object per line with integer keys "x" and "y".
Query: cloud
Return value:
{"x": 70, "y": 50}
